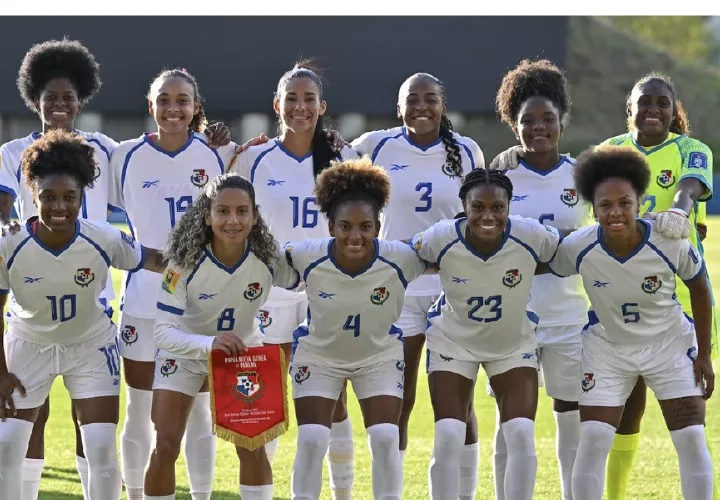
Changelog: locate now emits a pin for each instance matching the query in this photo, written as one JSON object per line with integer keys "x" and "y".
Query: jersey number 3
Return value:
{"x": 425, "y": 188}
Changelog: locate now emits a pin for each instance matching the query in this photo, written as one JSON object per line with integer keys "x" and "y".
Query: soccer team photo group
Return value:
{"x": 309, "y": 285}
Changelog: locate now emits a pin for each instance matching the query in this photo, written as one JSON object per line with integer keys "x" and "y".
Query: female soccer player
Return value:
{"x": 217, "y": 248}
{"x": 56, "y": 268}
{"x": 681, "y": 171}
{"x": 534, "y": 101}
{"x": 155, "y": 178}
{"x": 355, "y": 287}
{"x": 283, "y": 173}
{"x": 637, "y": 327}
{"x": 426, "y": 162}
{"x": 486, "y": 262}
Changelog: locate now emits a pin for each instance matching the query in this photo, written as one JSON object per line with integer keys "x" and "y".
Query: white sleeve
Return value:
{"x": 563, "y": 263}
{"x": 227, "y": 155}
{"x": 125, "y": 252}
{"x": 690, "y": 264}
{"x": 348, "y": 153}
{"x": 241, "y": 163}
{"x": 4, "y": 274}
{"x": 171, "y": 305}
{"x": 426, "y": 244}
{"x": 8, "y": 175}
{"x": 115, "y": 196}
{"x": 547, "y": 240}
{"x": 366, "y": 143}
{"x": 476, "y": 154}
{"x": 404, "y": 257}
{"x": 285, "y": 275}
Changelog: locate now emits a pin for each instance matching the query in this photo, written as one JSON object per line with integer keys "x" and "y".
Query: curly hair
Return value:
{"x": 199, "y": 121}
{"x": 58, "y": 58}
{"x": 596, "y": 165}
{"x": 453, "y": 158}
{"x": 322, "y": 153}
{"x": 680, "y": 123}
{"x": 487, "y": 177}
{"x": 356, "y": 179}
{"x": 532, "y": 79}
{"x": 58, "y": 152}
{"x": 191, "y": 235}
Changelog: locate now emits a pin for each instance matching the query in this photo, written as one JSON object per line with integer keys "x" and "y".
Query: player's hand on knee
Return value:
{"x": 218, "y": 134}
{"x": 508, "y": 159}
{"x": 8, "y": 383}
{"x": 11, "y": 228}
{"x": 673, "y": 224}
{"x": 335, "y": 140}
{"x": 230, "y": 344}
{"x": 704, "y": 372}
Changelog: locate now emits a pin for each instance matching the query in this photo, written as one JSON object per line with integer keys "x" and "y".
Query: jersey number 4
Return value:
{"x": 352, "y": 323}
{"x": 494, "y": 302}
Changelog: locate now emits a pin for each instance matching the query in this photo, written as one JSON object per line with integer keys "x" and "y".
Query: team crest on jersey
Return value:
{"x": 448, "y": 170}
{"x": 168, "y": 368}
{"x": 84, "y": 276}
{"x": 264, "y": 318}
{"x": 570, "y": 197}
{"x": 379, "y": 295}
{"x": 512, "y": 278}
{"x": 199, "y": 177}
{"x": 127, "y": 239}
{"x": 651, "y": 284}
{"x": 666, "y": 179}
{"x": 253, "y": 291}
{"x": 129, "y": 334}
{"x": 249, "y": 387}
{"x": 302, "y": 374}
{"x": 588, "y": 382}
{"x": 170, "y": 280}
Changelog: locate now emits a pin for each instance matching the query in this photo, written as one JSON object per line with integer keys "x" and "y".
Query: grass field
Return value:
{"x": 655, "y": 474}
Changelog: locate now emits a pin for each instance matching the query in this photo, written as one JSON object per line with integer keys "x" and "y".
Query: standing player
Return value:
{"x": 534, "y": 101}
{"x": 57, "y": 324}
{"x": 637, "y": 327}
{"x": 681, "y": 170}
{"x": 426, "y": 162}
{"x": 217, "y": 250}
{"x": 155, "y": 178}
{"x": 283, "y": 173}
{"x": 355, "y": 287}
{"x": 486, "y": 262}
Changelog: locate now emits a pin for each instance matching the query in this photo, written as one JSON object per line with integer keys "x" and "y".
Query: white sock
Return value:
{"x": 31, "y": 474}
{"x": 696, "y": 468}
{"x": 306, "y": 477}
{"x": 469, "y": 461}
{"x": 100, "y": 445}
{"x": 271, "y": 449}
{"x": 200, "y": 445}
{"x": 263, "y": 492}
{"x": 499, "y": 459}
{"x": 82, "y": 468}
{"x": 14, "y": 440}
{"x": 521, "y": 466}
{"x": 387, "y": 471}
{"x": 136, "y": 441}
{"x": 444, "y": 474}
{"x": 402, "y": 456}
{"x": 341, "y": 468}
{"x": 588, "y": 475}
{"x": 164, "y": 497}
{"x": 566, "y": 444}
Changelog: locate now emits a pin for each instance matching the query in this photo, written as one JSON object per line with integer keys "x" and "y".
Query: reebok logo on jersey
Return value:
{"x": 84, "y": 276}
{"x": 326, "y": 295}
{"x": 206, "y": 296}
{"x": 170, "y": 279}
{"x": 651, "y": 284}
{"x": 600, "y": 284}
{"x": 30, "y": 279}
{"x": 395, "y": 166}
{"x": 272, "y": 182}
{"x": 512, "y": 278}
{"x": 569, "y": 197}
{"x": 698, "y": 160}
{"x": 666, "y": 179}
{"x": 521, "y": 197}
{"x": 253, "y": 291}
{"x": 127, "y": 239}
{"x": 199, "y": 178}
{"x": 149, "y": 184}
{"x": 460, "y": 280}
{"x": 168, "y": 368}
{"x": 379, "y": 295}
{"x": 129, "y": 334}
{"x": 264, "y": 318}
{"x": 588, "y": 382}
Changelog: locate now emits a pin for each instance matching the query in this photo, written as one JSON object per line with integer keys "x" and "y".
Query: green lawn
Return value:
{"x": 655, "y": 474}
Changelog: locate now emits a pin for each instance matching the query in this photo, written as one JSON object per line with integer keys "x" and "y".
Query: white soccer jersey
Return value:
{"x": 633, "y": 298}
{"x": 550, "y": 196}
{"x": 155, "y": 188}
{"x": 195, "y": 305}
{"x": 423, "y": 191}
{"x": 350, "y": 316}
{"x": 483, "y": 309}
{"x": 284, "y": 187}
{"x": 57, "y": 292}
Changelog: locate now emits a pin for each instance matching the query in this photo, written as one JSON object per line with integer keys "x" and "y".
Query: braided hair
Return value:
{"x": 199, "y": 121}
{"x": 191, "y": 235}
{"x": 680, "y": 123}
{"x": 453, "y": 160}
{"x": 321, "y": 151}
{"x": 487, "y": 177}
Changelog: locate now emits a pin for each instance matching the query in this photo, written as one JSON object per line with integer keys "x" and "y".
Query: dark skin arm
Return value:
{"x": 155, "y": 261}
{"x": 701, "y": 304}
{"x": 6, "y": 203}
{"x": 688, "y": 192}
